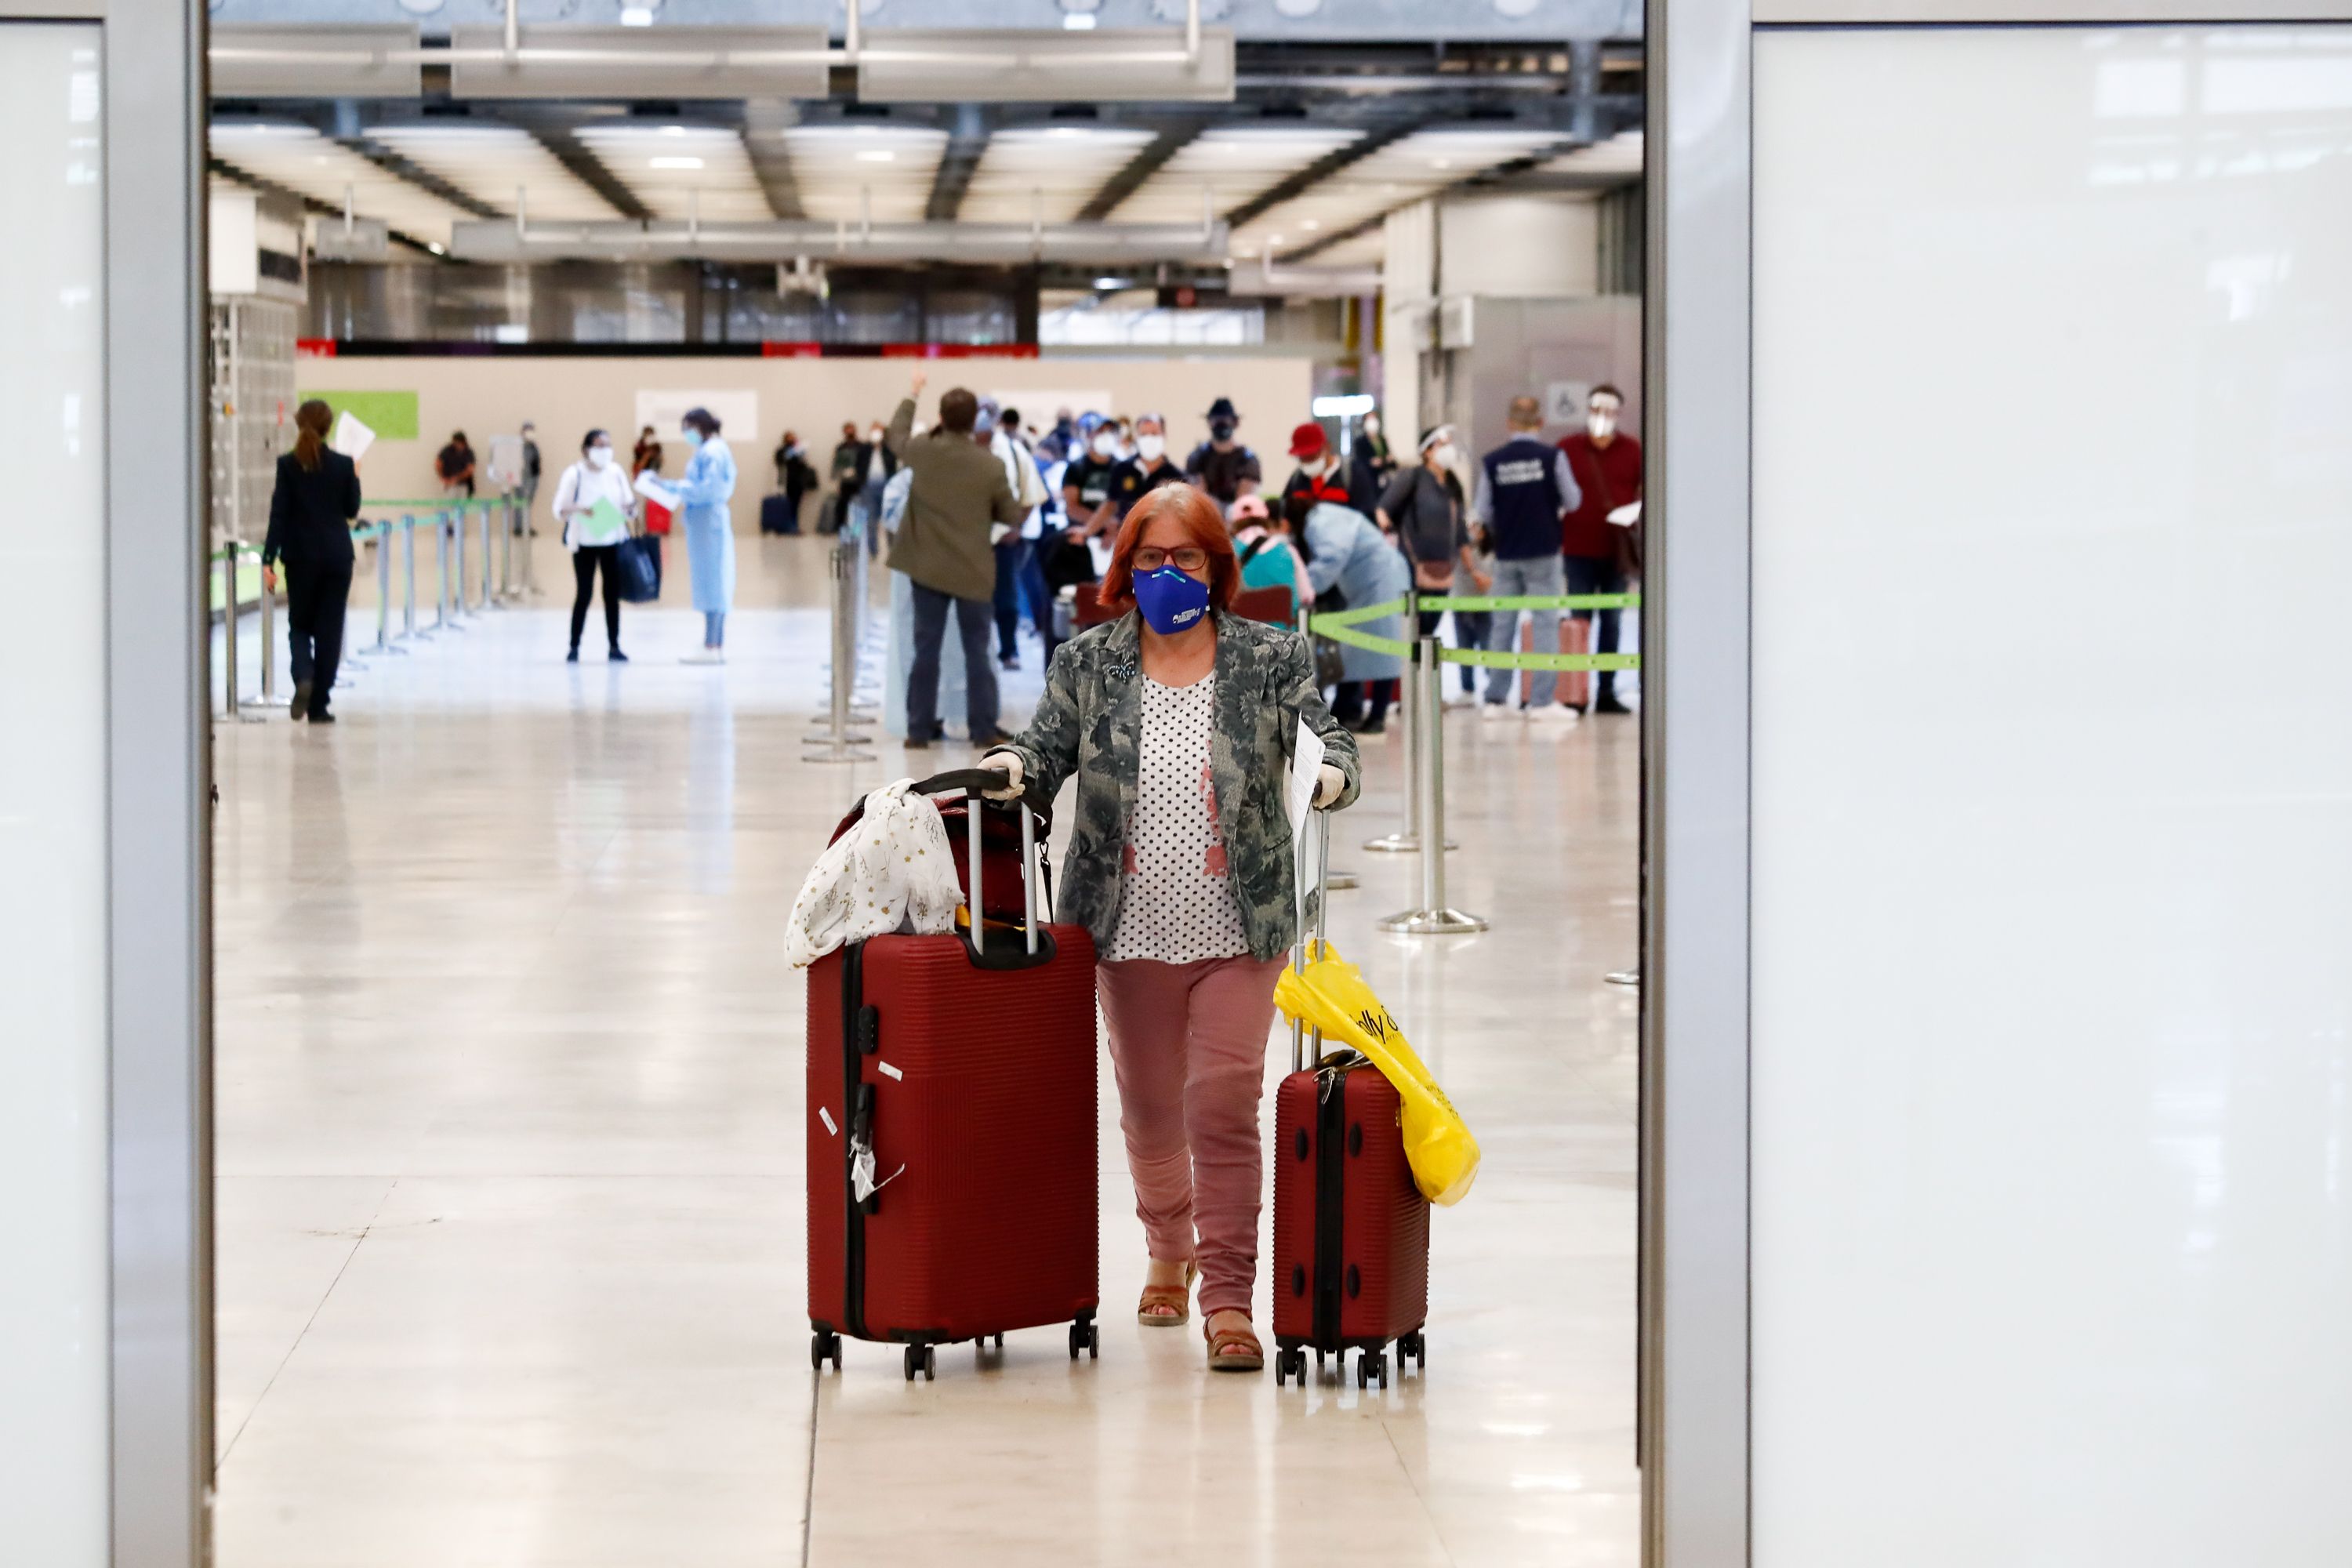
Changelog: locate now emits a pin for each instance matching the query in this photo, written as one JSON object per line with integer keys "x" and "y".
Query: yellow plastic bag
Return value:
{"x": 1330, "y": 995}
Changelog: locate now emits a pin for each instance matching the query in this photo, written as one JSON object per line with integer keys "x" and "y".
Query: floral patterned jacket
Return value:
{"x": 1090, "y": 724}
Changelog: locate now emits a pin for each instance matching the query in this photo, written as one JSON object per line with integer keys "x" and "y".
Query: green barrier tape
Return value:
{"x": 1471, "y": 604}
{"x": 1480, "y": 658}
{"x": 1357, "y": 616}
{"x": 438, "y": 503}
{"x": 1340, "y": 625}
{"x": 1354, "y": 638}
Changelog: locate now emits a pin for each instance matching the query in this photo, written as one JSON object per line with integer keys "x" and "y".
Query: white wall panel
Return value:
{"x": 2053, "y": 797}
{"x": 53, "y": 1327}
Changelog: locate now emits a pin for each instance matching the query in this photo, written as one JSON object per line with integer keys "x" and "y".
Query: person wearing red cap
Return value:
{"x": 1319, "y": 475}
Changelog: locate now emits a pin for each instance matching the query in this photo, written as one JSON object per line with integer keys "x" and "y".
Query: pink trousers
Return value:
{"x": 1189, "y": 1044}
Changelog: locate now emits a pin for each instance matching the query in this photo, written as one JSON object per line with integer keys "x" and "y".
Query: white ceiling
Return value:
{"x": 1619, "y": 157}
{"x": 1048, "y": 170}
{"x": 832, "y": 164}
{"x": 490, "y": 162}
{"x": 1404, "y": 171}
{"x": 301, "y": 160}
{"x": 1232, "y": 164}
{"x": 681, "y": 169}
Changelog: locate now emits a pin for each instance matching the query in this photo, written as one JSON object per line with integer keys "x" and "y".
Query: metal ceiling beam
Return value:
{"x": 1153, "y": 157}
{"x": 400, "y": 168}
{"x": 967, "y": 144}
{"x": 563, "y": 141}
{"x": 764, "y": 124}
{"x": 1303, "y": 179}
{"x": 252, "y": 182}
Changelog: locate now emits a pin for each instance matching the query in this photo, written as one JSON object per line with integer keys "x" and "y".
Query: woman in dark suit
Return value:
{"x": 310, "y": 513}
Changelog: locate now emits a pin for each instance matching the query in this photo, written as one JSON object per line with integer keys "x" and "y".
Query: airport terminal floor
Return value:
{"x": 510, "y": 1220}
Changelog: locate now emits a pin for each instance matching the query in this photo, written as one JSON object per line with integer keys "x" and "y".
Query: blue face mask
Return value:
{"x": 693, "y": 436}
{"x": 1171, "y": 601}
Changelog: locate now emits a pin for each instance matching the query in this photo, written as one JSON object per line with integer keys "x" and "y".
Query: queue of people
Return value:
{"x": 1003, "y": 522}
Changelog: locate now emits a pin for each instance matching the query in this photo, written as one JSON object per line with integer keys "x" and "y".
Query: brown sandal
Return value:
{"x": 1178, "y": 1298}
{"x": 1233, "y": 1350}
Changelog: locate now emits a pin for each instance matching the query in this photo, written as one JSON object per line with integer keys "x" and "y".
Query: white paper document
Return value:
{"x": 650, "y": 486}
{"x": 352, "y": 438}
{"x": 1298, "y": 795}
{"x": 1626, "y": 516}
{"x": 1305, "y": 771}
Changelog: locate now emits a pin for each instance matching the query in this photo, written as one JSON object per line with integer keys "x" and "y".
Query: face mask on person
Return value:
{"x": 1601, "y": 423}
{"x": 1371, "y": 424}
{"x": 1443, "y": 454}
{"x": 1151, "y": 449}
{"x": 1171, "y": 600}
{"x": 1222, "y": 429}
{"x": 1105, "y": 443}
{"x": 876, "y": 435}
{"x": 693, "y": 436}
{"x": 600, "y": 456}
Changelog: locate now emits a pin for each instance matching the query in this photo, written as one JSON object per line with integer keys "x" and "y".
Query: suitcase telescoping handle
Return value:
{"x": 1322, "y": 926}
{"x": 971, "y": 782}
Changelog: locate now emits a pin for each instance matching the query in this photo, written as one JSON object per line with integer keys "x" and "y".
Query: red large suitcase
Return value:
{"x": 1350, "y": 1229}
{"x": 965, "y": 1064}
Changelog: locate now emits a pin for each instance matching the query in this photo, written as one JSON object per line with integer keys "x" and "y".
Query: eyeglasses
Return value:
{"x": 1190, "y": 558}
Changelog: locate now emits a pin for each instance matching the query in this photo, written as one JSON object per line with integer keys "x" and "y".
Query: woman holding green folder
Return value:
{"x": 592, "y": 502}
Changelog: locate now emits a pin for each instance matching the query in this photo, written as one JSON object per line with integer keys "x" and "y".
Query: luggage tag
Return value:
{"x": 861, "y": 1173}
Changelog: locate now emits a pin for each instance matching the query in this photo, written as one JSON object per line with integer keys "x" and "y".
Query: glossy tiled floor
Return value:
{"x": 510, "y": 1211}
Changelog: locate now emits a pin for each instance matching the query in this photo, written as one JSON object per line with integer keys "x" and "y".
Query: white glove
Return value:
{"x": 1329, "y": 783}
{"x": 1009, "y": 764}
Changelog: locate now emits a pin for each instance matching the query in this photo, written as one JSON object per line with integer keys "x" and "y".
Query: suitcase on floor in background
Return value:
{"x": 778, "y": 515}
{"x": 963, "y": 1067}
{"x": 1350, "y": 1229}
{"x": 1575, "y": 687}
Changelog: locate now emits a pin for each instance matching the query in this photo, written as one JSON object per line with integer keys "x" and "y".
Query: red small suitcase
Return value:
{"x": 965, "y": 1066}
{"x": 1350, "y": 1229}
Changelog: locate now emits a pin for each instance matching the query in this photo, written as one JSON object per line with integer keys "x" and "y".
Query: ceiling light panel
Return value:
{"x": 301, "y": 160}
{"x": 1232, "y": 166}
{"x": 490, "y": 162}
{"x": 1403, "y": 171}
{"x": 1050, "y": 169}
{"x": 893, "y": 164}
{"x": 678, "y": 171}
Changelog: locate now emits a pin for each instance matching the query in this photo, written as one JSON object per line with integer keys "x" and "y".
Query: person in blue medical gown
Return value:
{"x": 704, "y": 492}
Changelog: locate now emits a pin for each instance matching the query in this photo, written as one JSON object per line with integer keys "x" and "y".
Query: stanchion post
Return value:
{"x": 488, "y": 599}
{"x": 270, "y": 697}
{"x": 1406, "y": 840}
{"x": 408, "y": 577}
{"x": 839, "y": 745}
{"x": 456, "y": 524}
{"x": 444, "y": 611}
{"x": 228, "y": 629}
{"x": 1435, "y": 917}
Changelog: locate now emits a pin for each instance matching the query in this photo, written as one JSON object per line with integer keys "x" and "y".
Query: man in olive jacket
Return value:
{"x": 958, "y": 492}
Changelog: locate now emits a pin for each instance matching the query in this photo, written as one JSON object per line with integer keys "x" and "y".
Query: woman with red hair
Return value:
{"x": 1177, "y": 719}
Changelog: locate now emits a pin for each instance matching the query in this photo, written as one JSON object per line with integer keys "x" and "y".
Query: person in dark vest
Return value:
{"x": 1524, "y": 487}
{"x": 1600, "y": 557}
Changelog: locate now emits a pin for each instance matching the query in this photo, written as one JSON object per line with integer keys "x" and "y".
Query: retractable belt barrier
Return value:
{"x": 1341, "y": 626}
{"x": 506, "y": 578}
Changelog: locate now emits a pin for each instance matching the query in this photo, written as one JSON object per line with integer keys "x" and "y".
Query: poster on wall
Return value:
{"x": 1564, "y": 402}
{"x": 737, "y": 411}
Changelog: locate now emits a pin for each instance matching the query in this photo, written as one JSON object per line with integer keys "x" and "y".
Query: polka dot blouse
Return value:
{"x": 1176, "y": 892}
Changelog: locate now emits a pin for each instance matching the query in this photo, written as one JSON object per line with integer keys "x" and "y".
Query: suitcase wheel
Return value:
{"x": 824, "y": 1345}
{"x": 923, "y": 1359}
{"x": 1370, "y": 1368}
{"x": 1416, "y": 1346}
{"x": 1289, "y": 1364}
{"x": 1086, "y": 1337}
